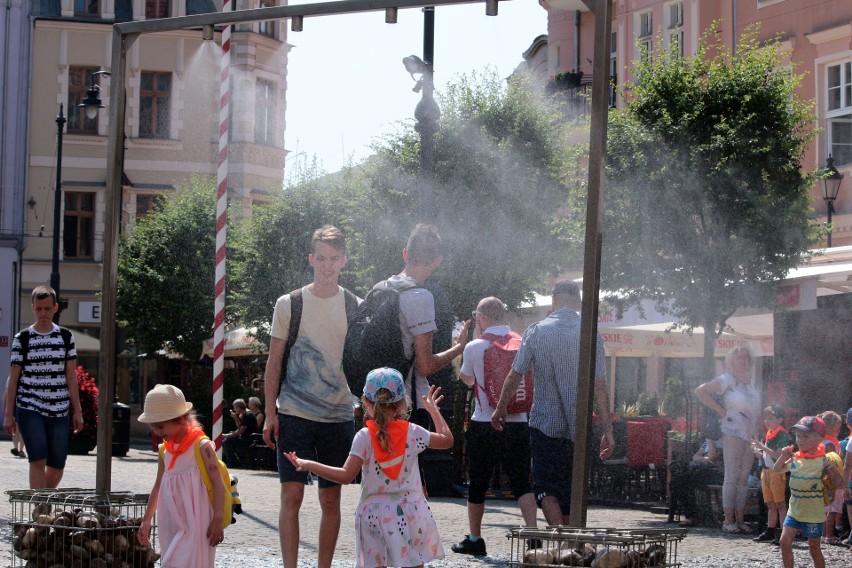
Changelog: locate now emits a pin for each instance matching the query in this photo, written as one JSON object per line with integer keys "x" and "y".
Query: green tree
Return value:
{"x": 707, "y": 202}
{"x": 500, "y": 158}
{"x": 166, "y": 273}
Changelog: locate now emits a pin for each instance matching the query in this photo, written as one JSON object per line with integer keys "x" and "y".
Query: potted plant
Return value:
{"x": 564, "y": 81}
{"x": 86, "y": 439}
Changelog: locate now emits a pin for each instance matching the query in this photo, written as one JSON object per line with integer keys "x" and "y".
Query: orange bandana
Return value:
{"x": 817, "y": 453}
{"x": 188, "y": 440}
{"x": 390, "y": 461}
{"x": 772, "y": 432}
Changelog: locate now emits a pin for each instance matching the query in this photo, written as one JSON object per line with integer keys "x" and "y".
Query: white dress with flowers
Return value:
{"x": 183, "y": 515}
{"x": 394, "y": 525}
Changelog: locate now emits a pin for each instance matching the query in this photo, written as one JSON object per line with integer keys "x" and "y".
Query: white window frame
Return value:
{"x": 674, "y": 29}
{"x": 644, "y": 33}
{"x": 646, "y": 24}
{"x": 841, "y": 114}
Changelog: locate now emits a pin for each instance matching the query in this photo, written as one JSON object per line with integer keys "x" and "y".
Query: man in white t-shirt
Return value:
{"x": 486, "y": 447}
{"x": 308, "y": 404}
{"x": 422, "y": 255}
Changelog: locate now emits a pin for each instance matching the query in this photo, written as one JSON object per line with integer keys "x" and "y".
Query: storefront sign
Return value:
{"x": 89, "y": 312}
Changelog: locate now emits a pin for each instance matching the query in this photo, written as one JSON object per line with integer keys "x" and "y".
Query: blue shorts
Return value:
{"x": 325, "y": 442}
{"x": 809, "y": 530}
{"x": 552, "y": 468}
{"x": 45, "y": 437}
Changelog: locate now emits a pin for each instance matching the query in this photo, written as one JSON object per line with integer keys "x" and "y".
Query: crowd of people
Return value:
{"x": 307, "y": 419}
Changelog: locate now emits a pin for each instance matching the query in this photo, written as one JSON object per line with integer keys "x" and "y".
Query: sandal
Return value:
{"x": 833, "y": 540}
{"x": 733, "y": 528}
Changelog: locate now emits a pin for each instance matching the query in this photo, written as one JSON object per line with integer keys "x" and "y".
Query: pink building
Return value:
{"x": 816, "y": 33}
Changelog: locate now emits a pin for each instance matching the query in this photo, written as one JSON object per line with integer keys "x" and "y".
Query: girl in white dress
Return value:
{"x": 393, "y": 523}
{"x": 189, "y": 526}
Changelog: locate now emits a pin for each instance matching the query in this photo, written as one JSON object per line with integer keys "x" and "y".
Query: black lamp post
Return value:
{"x": 57, "y": 211}
{"x": 92, "y": 102}
{"x": 830, "y": 188}
{"x": 427, "y": 112}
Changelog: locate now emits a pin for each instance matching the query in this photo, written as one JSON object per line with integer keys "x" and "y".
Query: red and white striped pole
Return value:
{"x": 221, "y": 236}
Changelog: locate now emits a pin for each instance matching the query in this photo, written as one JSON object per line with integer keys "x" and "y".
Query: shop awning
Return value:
{"x": 239, "y": 342}
{"x": 85, "y": 343}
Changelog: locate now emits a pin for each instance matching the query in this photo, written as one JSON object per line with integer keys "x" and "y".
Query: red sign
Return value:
{"x": 4, "y": 341}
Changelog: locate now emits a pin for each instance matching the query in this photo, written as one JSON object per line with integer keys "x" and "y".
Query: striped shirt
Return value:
{"x": 43, "y": 386}
{"x": 552, "y": 348}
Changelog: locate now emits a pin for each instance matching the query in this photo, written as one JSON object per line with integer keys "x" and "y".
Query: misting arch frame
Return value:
{"x": 124, "y": 34}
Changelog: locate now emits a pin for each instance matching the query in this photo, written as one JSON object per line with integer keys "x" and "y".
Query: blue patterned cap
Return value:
{"x": 849, "y": 418}
{"x": 384, "y": 378}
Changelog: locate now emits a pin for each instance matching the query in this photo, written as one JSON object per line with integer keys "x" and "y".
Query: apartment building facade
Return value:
{"x": 816, "y": 34}
{"x": 171, "y": 133}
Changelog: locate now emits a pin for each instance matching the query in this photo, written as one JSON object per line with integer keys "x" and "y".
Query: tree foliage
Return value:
{"x": 166, "y": 273}
{"x": 500, "y": 168}
{"x": 499, "y": 161}
{"x": 707, "y": 202}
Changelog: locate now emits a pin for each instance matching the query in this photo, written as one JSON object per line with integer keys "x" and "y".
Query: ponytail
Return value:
{"x": 384, "y": 412}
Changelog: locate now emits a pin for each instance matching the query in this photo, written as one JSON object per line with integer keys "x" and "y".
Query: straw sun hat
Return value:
{"x": 163, "y": 403}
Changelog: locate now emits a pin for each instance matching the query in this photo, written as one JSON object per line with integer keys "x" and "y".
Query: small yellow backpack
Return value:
{"x": 232, "y": 506}
{"x": 828, "y": 487}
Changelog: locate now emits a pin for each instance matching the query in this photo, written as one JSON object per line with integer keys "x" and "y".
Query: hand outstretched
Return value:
{"x": 432, "y": 399}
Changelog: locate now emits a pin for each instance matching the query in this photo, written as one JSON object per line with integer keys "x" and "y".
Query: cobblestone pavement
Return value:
{"x": 253, "y": 540}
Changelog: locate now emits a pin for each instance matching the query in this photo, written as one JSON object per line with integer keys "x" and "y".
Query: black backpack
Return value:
{"x": 374, "y": 338}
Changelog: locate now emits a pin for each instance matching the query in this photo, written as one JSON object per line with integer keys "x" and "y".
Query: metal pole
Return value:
{"x": 591, "y": 264}
{"x": 57, "y": 210}
{"x": 830, "y": 210}
{"x": 427, "y": 114}
{"x": 112, "y": 215}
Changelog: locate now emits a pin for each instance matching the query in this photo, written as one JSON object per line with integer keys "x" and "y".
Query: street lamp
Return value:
{"x": 92, "y": 102}
{"x": 426, "y": 113}
{"x": 57, "y": 211}
{"x": 830, "y": 187}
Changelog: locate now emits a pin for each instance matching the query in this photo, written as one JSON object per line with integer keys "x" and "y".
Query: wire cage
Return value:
{"x": 78, "y": 528}
{"x": 596, "y": 547}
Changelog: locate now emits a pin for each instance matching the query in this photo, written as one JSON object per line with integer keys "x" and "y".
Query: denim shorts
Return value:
{"x": 325, "y": 442}
{"x": 809, "y": 530}
{"x": 552, "y": 468}
{"x": 45, "y": 437}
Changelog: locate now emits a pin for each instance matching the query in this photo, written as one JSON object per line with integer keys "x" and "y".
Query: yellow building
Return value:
{"x": 171, "y": 134}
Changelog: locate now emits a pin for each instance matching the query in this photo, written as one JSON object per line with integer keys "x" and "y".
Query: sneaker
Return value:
{"x": 468, "y": 546}
{"x": 766, "y": 536}
{"x": 533, "y": 543}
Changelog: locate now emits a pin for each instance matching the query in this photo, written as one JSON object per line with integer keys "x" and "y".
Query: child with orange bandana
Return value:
{"x": 773, "y": 483}
{"x": 393, "y": 523}
{"x": 807, "y": 468}
{"x": 189, "y": 525}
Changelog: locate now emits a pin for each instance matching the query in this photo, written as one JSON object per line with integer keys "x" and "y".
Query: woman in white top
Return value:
{"x": 739, "y": 412}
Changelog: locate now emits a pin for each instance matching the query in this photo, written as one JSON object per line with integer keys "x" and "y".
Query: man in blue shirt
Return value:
{"x": 551, "y": 347}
